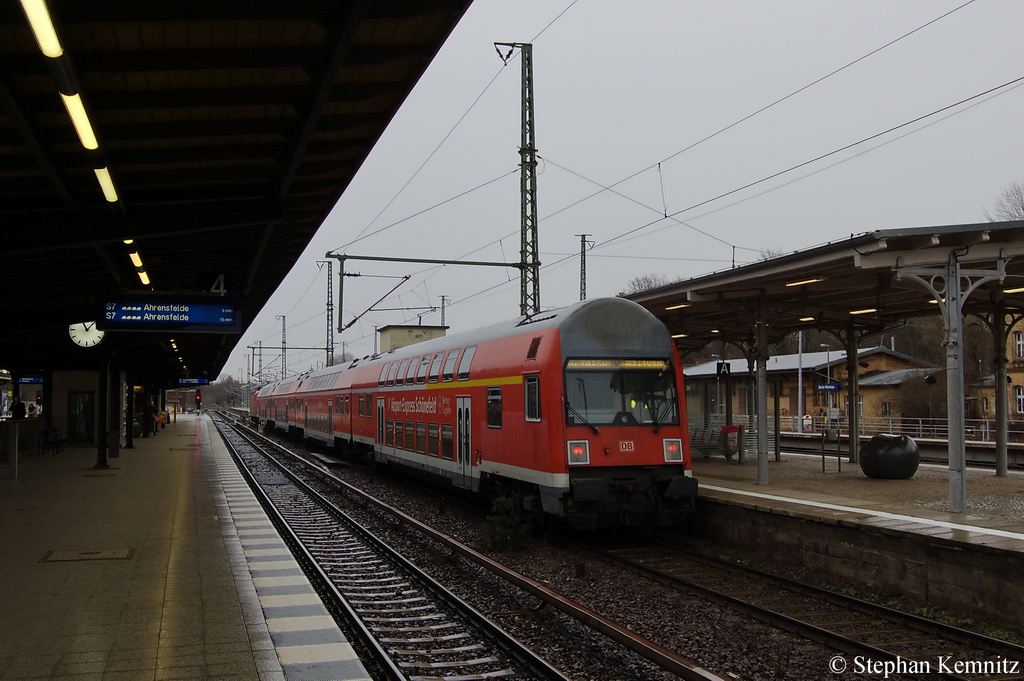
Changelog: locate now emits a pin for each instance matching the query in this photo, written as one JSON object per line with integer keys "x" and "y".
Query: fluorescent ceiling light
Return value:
{"x": 144, "y": 277}
{"x": 807, "y": 319}
{"x": 806, "y": 281}
{"x": 42, "y": 27}
{"x": 679, "y": 335}
{"x": 676, "y": 307}
{"x": 136, "y": 259}
{"x": 1013, "y": 290}
{"x": 80, "y": 119}
{"x": 106, "y": 184}
{"x": 865, "y": 311}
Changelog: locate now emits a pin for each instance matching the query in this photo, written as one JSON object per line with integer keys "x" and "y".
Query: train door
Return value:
{"x": 380, "y": 423}
{"x": 330, "y": 417}
{"x": 463, "y": 422}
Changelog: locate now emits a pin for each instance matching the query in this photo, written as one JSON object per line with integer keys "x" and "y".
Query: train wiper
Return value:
{"x": 581, "y": 418}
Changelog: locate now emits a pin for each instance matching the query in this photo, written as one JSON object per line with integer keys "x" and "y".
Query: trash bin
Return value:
{"x": 889, "y": 457}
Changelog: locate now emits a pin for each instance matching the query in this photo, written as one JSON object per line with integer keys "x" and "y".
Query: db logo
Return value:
{"x": 625, "y": 446}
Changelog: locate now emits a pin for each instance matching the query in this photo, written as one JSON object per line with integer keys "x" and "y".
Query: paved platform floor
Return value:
{"x": 797, "y": 483}
{"x": 153, "y": 569}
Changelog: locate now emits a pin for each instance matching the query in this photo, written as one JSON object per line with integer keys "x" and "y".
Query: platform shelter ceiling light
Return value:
{"x": 42, "y": 27}
{"x": 1014, "y": 290}
{"x": 804, "y": 282}
{"x": 864, "y": 311}
{"x": 677, "y": 307}
{"x": 106, "y": 184}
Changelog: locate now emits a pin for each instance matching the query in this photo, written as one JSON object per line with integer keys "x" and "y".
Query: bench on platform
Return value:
{"x": 51, "y": 440}
{"x": 720, "y": 441}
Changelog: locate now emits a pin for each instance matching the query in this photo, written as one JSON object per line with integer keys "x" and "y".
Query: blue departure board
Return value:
{"x": 170, "y": 313}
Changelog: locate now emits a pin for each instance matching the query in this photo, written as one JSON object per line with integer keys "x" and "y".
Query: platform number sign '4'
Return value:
{"x": 214, "y": 283}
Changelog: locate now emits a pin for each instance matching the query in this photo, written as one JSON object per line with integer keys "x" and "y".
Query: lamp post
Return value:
{"x": 718, "y": 384}
{"x": 828, "y": 396}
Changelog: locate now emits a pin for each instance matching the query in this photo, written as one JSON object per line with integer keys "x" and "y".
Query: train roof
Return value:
{"x": 602, "y": 327}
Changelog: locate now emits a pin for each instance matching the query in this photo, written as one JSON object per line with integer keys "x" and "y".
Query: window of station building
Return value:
{"x": 447, "y": 441}
{"x": 433, "y": 442}
{"x": 410, "y": 439}
{"x": 392, "y": 372}
{"x": 383, "y": 374}
{"x": 400, "y": 378}
{"x": 389, "y": 433}
{"x": 886, "y": 409}
{"x": 466, "y": 362}
{"x": 421, "y": 373}
{"x": 531, "y": 385}
{"x": 494, "y": 407}
{"x": 1018, "y": 394}
{"x": 1018, "y": 343}
{"x": 410, "y": 376}
{"x": 421, "y": 437}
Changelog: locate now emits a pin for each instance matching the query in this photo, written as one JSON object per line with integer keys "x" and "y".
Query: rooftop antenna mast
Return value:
{"x": 529, "y": 251}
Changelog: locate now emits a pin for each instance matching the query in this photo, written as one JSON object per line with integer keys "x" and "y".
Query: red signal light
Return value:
{"x": 577, "y": 450}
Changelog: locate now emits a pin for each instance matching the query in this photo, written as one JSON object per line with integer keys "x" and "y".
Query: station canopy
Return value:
{"x": 228, "y": 131}
{"x": 861, "y": 284}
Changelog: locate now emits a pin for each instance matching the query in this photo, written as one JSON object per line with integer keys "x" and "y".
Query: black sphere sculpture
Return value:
{"x": 889, "y": 457}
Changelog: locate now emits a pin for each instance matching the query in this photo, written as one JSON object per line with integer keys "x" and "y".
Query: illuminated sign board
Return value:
{"x": 659, "y": 364}
{"x": 193, "y": 381}
{"x": 191, "y": 314}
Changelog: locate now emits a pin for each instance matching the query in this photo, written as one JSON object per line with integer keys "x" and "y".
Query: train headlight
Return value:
{"x": 673, "y": 451}
{"x": 579, "y": 452}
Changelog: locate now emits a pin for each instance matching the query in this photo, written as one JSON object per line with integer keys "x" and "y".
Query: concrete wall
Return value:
{"x": 979, "y": 581}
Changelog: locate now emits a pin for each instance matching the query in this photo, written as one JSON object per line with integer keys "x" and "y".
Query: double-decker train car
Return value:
{"x": 575, "y": 412}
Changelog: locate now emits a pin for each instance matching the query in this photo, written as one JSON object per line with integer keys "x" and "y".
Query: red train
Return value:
{"x": 577, "y": 412}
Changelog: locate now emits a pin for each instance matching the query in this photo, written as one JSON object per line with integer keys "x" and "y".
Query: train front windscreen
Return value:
{"x": 601, "y": 392}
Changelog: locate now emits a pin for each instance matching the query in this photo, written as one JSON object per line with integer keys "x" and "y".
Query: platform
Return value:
{"x": 162, "y": 566}
{"x": 887, "y": 536}
{"x": 797, "y": 484}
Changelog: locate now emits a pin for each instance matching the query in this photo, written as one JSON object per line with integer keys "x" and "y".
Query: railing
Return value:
{"x": 983, "y": 430}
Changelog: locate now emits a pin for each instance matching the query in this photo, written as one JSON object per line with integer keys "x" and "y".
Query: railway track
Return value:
{"x": 419, "y": 630}
{"x": 415, "y": 628}
{"x": 874, "y": 639}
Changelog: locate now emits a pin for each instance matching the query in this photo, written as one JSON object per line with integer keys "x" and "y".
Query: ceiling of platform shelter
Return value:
{"x": 228, "y": 130}
{"x": 865, "y": 283}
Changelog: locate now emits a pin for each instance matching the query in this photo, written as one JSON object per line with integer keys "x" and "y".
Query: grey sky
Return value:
{"x": 622, "y": 87}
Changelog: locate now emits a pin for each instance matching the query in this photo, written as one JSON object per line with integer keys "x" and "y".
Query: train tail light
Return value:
{"x": 673, "y": 451}
{"x": 579, "y": 452}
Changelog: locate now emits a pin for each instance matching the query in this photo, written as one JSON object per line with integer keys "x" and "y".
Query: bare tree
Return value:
{"x": 1010, "y": 204}
{"x": 644, "y": 282}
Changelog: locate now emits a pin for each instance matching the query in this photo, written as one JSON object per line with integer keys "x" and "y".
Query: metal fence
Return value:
{"x": 979, "y": 430}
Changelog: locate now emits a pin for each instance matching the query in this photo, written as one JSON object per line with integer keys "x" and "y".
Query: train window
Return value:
{"x": 532, "y": 390}
{"x": 360, "y": 404}
{"x": 432, "y": 440}
{"x": 435, "y": 366}
{"x": 465, "y": 362}
{"x": 534, "y": 346}
{"x": 421, "y": 437}
{"x": 494, "y": 407}
{"x": 410, "y": 376}
{"x": 620, "y": 397}
{"x": 369, "y": 405}
{"x": 400, "y": 378}
{"x": 410, "y": 440}
{"x": 447, "y": 441}
{"x": 383, "y": 374}
{"x": 389, "y": 433}
{"x": 392, "y": 372}
{"x": 399, "y": 439}
{"x": 448, "y": 372}
{"x": 421, "y": 374}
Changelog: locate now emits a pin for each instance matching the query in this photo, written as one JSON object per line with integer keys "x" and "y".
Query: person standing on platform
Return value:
{"x": 17, "y": 408}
